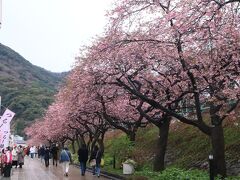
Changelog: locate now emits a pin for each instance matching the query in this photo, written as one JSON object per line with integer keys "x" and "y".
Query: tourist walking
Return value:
{"x": 7, "y": 163}
{"x": 36, "y": 150}
{"x": 14, "y": 157}
{"x": 32, "y": 152}
{"x": 55, "y": 151}
{"x": 3, "y": 157}
{"x": 83, "y": 157}
{"x": 27, "y": 151}
{"x": 41, "y": 153}
{"x": 20, "y": 154}
{"x": 65, "y": 158}
{"x": 98, "y": 161}
{"x": 46, "y": 156}
{"x": 92, "y": 159}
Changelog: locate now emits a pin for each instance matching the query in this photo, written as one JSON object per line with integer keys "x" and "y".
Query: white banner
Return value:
{"x": 5, "y": 128}
{"x": 0, "y": 13}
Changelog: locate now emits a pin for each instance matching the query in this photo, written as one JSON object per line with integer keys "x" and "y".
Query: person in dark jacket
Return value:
{"x": 98, "y": 161}
{"x": 96, "y": 156}
{"x": 55, "y": 151}
{"x": 83, "y": 157}
{"x": 41, "y": 153}
{"x": 92, "y": 159}
{"x": 46, "y": 156}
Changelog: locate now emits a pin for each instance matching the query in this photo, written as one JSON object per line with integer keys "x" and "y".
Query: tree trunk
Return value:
{"x": 158, "y": 164}
{"x": 217, "y": 138}
{"x": 62, "y": 144}
{"x": 132, "y": 136}
{"x": 78, "y": 142}
{"x": 73, "y": 147}
{"x": 82, "y": 141}
{"x": 101, "y": 145}
{"x": 89, "y": 145}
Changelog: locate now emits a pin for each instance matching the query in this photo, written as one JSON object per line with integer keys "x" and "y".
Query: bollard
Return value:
{"x": 211, "y": 167}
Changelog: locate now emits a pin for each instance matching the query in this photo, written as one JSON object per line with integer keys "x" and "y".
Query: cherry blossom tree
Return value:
{"x": 53, "y": 127}
{"x": 83, "y": 107}
{"x": 155, "y": 58}
{"x": 131, "y": 62}
{"x": 200, "y": 40}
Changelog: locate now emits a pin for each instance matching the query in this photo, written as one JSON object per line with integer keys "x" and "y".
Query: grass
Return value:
{"x": 188, "y": 148}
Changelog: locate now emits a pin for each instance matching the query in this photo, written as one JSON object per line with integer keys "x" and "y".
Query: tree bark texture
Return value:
{"x": 159, "y": 164}
{"x": 132, "y": 136}
{"x": 217, "y": 138}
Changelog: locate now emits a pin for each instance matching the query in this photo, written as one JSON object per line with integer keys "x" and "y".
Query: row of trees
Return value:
{"x": 156, "y": 60}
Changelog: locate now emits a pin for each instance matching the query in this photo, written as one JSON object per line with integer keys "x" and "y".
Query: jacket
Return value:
{"x": 65, "y": 156}
{"x": 83, "y": 155}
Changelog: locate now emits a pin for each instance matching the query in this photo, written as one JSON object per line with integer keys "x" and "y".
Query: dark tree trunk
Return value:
{"x": 73, "y": 147}
{"x": 50, "y": 143}
{"x": 101, "y": 145}
{"x": 89, "y": 143}
{"x": 158, "y": 164}
{"x": 132, "y": 136}
{"x": 93, "y": 144}
{"x": 62, "y": 144}
{"x": 217, "y": 138}
{"x": 82, "y": 140}
{"x": 78, "y": 142}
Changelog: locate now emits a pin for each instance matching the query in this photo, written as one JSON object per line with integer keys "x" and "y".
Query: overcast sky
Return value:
{"x": 49, "y": 33}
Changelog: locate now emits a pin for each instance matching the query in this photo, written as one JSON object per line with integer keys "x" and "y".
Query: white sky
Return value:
{"x": 49, "y": 33}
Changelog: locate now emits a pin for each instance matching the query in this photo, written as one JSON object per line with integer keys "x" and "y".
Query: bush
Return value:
{"x": 122, "y": 148}
{"x": 175, "y": 173}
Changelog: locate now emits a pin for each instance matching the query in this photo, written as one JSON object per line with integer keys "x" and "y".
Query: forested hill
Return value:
{"x": 25, "y": 89}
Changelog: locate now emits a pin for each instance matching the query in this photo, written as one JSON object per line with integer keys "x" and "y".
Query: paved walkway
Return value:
{"x": 34, "y": 170}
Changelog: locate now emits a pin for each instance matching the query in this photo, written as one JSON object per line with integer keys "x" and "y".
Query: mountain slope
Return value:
{"x": 25, "y": 89}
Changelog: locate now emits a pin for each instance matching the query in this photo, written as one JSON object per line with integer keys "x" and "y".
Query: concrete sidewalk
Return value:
{"x": 33, "y": 169}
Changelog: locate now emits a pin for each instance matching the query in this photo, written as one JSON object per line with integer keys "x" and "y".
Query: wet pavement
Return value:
{"x": 33, "y": 169}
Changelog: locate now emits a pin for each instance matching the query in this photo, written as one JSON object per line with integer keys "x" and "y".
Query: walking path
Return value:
{"x": 33, "y": 169}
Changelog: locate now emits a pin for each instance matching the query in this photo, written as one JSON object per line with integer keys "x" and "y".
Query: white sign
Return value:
{"x": 5, "y": 128}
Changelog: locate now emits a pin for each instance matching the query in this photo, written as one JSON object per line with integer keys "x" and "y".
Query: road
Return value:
{"x": 33, "y": 169}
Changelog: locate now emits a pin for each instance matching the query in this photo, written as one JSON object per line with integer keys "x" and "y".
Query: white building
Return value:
{"x": 16, "y": 140}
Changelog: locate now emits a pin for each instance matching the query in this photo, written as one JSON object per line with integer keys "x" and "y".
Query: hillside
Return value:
{"x": 188, "y": 149}
{"x": 25, "y": 89}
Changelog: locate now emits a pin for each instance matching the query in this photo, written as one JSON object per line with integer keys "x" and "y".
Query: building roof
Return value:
{"x": 20, "y": 141}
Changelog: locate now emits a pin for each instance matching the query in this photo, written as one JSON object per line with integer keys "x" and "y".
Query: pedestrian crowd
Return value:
{"x": 11, "y": 156}
{"x": 65, "y": 158}
{"x": 14, "y": 157}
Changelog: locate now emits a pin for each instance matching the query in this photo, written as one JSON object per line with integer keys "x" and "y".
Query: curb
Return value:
{"x": 106, "y": 174}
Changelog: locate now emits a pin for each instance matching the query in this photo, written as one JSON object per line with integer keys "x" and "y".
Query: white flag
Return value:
{"x": 5, "y": 128}
{"x": 0, "y": 13}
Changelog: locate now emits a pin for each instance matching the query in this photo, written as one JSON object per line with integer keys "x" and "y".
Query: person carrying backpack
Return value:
{"x": 65, "y": 158}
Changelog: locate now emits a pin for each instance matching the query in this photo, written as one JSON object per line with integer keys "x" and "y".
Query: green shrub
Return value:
{"x": 175, "y": 174}
{"x": 122, "y": 148}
